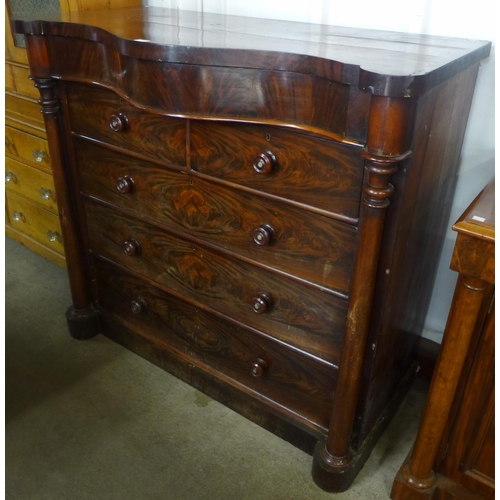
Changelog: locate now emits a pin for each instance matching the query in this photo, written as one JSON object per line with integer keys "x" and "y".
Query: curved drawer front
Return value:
{"x": 310, "y": 246}
{"x": 102, "y": 115}
{"x": 317, "y": 172}
{"x": 295, "y": 381}
{"x": 298, "y": 314}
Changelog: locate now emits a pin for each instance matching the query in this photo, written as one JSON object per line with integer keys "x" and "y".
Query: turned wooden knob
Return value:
{"x": 131, "y": 247}
{"x": 261, "y": 303}
{"x": 264, "y": 163}
{"x": 138, "y": 306}
{"x": 263, "y": 235}
{"x": 124, "y": 184}
{"x": 118, "y": 122}
{"x": 259, "y": 367}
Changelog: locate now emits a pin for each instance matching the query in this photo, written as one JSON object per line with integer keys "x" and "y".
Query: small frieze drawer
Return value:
{"x": 300, "y": 315}
{"x": 284, "y": 376}
{"x": 104, "y": 116}
{"x": 313, "y": 247}
{"x": 304, "y": 168}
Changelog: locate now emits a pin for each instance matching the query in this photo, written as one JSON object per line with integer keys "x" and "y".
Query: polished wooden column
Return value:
{"x": 81, "y": 316}
{"x": 474, "y": 260}
{"x": 334, "y": 465}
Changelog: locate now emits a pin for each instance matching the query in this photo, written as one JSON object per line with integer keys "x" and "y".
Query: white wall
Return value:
{"x": 435, "y": 17}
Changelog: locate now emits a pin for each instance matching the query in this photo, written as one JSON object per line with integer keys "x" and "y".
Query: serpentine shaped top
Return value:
{"x": 379, "y": 62}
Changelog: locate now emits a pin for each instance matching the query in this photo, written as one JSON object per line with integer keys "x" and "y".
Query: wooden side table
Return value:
{"x": 453, "y": 456}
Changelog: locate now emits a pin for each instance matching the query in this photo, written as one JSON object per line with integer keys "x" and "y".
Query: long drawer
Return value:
{"x": 297, "y": 314}
{"x": 310, "y": 170}
{"x": 266, "y": 368}
{"x": 102, "y": 115}
{"x": 30, "y": 182}
{"x": 313, "y": 247}
{"x": 34, "y": 221}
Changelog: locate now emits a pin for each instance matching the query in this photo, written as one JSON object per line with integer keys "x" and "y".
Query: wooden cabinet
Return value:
{"x": 31, "y": 207}
{"x": 454, "y": 454}
{"x": 257, "y": 206}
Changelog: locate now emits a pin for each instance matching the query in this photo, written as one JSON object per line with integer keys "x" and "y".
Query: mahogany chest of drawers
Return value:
{"x": 256, "y": 206}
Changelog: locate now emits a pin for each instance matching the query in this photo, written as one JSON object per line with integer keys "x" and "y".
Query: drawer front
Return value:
{"x": 306, "y": 169}
{"x": 30, "y": 182}
{"x": 10, "y": 81}
{"x": 23, "y": 109}
{"x": 23, "y": 84}
{"x": 35, "y": 222}
{"x": 300, "y": 315}
{"x": 27, "y": 147}
{"x": 295, "y": 381}
{"x": 310, "y": 246}
{"x": 94, "y": 110}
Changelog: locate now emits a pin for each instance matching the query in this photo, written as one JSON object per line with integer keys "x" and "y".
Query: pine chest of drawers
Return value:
{"x": 256, "y": 206}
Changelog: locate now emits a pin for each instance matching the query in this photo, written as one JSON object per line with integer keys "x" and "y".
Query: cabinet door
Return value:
{"x": 470, "y": 458}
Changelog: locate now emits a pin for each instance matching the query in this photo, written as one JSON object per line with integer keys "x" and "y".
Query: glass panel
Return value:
{"x": 20, "y": 8}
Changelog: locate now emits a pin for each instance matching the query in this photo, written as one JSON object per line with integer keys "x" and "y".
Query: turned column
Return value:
{"x": 467, "y": 300}
{"x": 474, "y": 260}
{"x": 81, "y": 316}
{"x": 334, "y": 464}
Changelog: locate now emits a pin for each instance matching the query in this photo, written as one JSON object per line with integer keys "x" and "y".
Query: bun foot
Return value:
{"x": 82, "y": 324}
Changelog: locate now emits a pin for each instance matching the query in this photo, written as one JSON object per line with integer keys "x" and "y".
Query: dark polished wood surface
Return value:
{"x": 384, "y": 63}
{"x": 257, "y": 206}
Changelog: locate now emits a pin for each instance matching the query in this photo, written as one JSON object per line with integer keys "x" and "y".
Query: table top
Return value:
{"x": 381, "y": 62}
{"x": 479, "y": 218}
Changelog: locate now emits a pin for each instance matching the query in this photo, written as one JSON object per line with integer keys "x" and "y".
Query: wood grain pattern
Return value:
{"x": 306, "y": 318}
{"x": 154, "y": 135}
{"x": 26, "y": 112}
{"x": 26, "y": 147}
{"x": 404, "y": 296}
{"x": 296, "y": 381}
{"x": 223, "y": 92}
{"x": 332, "y": 93}
{"x": 399, "y": 65}
{"x": 309, "y": 170}
{"x": 315, "y": 248}
{"x": 28, "y": 181}
{"x": 23, "y": 84}
{"x": 35, "y": 221}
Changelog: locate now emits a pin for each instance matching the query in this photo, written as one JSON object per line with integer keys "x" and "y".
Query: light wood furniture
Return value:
{"x": 454, "y": 453}
{"x": 32, "y": 215}
{"x": 257, "y": 206}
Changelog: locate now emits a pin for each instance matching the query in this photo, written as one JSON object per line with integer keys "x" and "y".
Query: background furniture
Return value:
{"x": 32, "y": 215}
{"x": 454, "y": 453}
{"x": 257, "y": 206}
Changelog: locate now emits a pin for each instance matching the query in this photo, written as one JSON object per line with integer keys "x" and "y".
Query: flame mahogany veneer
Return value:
{"x": 257, "y": 206}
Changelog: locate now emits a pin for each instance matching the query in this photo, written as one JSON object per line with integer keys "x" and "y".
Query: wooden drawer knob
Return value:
{"x": 264, "y": 163}
{"x": 259, "y": 367}
{"x": 131, "y": 247}
{"x": 118, "y": 122}
{"x": 138, "y": 306}
{"x": 124, "y": 184}
{"x": 263, "y": 235}
{"x": 261, "y": 303}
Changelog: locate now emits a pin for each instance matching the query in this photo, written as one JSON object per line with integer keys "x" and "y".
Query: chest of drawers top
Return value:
{"x": 384, "y": 63}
